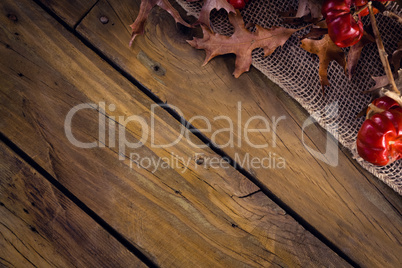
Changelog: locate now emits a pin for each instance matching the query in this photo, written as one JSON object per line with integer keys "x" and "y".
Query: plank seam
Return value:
{"x": 107, "y": 227}
{"x": 83, "y": 16}
{"x": 300, "y": 220}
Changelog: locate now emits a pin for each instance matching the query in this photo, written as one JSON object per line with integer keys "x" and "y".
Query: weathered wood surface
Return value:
{"x": 353, "y": 209}
{"x": 40, "y": 227}
{"x": 182, "y": 213}
{"x": 71, "y": 11}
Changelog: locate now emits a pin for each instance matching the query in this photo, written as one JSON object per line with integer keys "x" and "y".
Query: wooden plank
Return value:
{"x": 41, "y": 227}
{"x": 71, "y": 11}
{"x": 183, "y": 211}
{"x": 353, "y": 209}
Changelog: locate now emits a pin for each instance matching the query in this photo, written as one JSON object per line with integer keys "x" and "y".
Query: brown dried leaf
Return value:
{"x": 327, "y": 51}
{"x": 291, "y": 13}
{"x": 301, "y": 20}
{"x": 209, "y": 5}
{"x": 307, "y": 11}
{"x": 316, "y": 33}
{"x": 145, "y": 8}
{"x": 397, "y": 56}
{"x": 306, "y": 7}
{"x": 382, "y": 84}
{"x": 383, "y": 81}
{"x": 355, "y": 53}
{"x": 241, "y": 43}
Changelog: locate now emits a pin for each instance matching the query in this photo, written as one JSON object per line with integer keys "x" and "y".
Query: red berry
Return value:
{"x": 238, "y": 4}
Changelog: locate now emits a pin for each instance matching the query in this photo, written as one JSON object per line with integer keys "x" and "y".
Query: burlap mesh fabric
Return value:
{"x": 296, "y": 72}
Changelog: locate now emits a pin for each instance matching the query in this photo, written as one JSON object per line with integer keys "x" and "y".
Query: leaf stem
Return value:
{"x": 381, "y": 50}
{"x": 311, "y": 24}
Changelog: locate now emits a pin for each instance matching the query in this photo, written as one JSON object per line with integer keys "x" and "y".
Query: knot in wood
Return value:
{"x": 12, "y": 17}
{"x": 199, "y": 161}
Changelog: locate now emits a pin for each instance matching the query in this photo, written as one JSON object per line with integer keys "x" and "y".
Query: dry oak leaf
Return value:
{"x": 210, "y": 5}
{"x": 306, "y": 7}
{"x": 383, "y": 82}
{"x": 327, "y": 51}
{"x": 307, "y": 11}
{"x": 145, "y": 8}
{"x": 241, "y": 43}
{"x": 355, "y": 53}
{"x": 380, "y": 82}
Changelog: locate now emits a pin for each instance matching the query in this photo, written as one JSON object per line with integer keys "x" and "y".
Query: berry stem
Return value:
{"x": 381, "y": 50}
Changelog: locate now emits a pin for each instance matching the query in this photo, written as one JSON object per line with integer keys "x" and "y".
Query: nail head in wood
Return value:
{"x": 104, "y": 19}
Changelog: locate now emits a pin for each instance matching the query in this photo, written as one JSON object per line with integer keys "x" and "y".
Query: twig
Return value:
{"x": 381, "y": 50}
{"x": 361, "y": 9}
{"x": 372, "y": 110}
{"x": 394, "y": 96}
{"x": 393, "y": 15}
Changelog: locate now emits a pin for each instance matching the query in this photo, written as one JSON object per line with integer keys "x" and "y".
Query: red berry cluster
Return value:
{"x": 379, "y": 140}
{"x": 344, "y": 25}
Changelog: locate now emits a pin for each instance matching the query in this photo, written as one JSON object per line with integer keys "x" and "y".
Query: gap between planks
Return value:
{"x": 199, "y": 135}
{"x": 84, "y": 15}
{"x": 144, "y": 99}
{"x": 328, "y": 188}
{"x": 119, "y": 237}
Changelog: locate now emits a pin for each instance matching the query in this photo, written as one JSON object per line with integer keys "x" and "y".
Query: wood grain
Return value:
{"x": 350, "y": 207}
{"x": 182, "y": 212}
{"x": 40, "y": 227}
